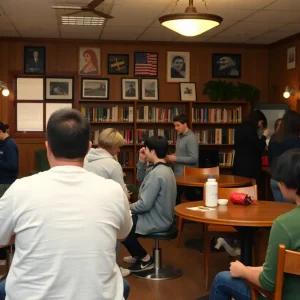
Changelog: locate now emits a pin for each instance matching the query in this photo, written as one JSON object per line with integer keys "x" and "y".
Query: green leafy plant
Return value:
{"x": 248, "y": 92}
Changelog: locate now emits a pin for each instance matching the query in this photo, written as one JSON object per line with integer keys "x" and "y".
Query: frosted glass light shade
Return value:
{"x": 5, "y": 92}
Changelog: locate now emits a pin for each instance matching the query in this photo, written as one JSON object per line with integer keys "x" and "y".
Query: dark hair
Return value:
{"x": 287, "y": 169}
{"x": 290, "y": 126}
{"x": 2, "y": 127}
{"x": 159, "y": 144}
{"x": 68, "y": 134}
{"x": 276, "y": 123}
{"x": 256, "y": 116}
{"x": 182, "y": 118}
{"x": 177, "y": 57}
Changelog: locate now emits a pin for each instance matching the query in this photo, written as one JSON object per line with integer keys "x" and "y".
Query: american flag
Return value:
{"x": 145, "y": 64}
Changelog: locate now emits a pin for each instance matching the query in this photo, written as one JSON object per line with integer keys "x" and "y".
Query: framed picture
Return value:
{"x": 130, "y": 89}
{"x": 178, "y": 66}
{"x": 34, "y": 60}
{"x": 95, "y": 88}
{"x": 118, "y": 64}
{"x": 188, "y": 91}
{"x": 59, "y": 88}
{"x": 89, "y": 61}
{"x": 146, "y": 64}
{"x": 149, "y": 88}
{"x": 226, "y": 65}
{"x": 291, "y": 58}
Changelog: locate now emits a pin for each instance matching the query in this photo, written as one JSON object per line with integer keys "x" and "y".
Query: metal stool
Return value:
{"x": 160, "y": 272}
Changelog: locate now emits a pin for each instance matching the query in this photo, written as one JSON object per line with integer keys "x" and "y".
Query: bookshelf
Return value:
{"x": 212, "y": 122}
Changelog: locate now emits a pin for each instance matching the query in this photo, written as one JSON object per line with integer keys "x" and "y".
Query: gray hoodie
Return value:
{"x": 101, "y": 163}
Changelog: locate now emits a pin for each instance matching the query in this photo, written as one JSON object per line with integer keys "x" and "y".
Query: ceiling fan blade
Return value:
{"x": 66, "y": 7}
{"x": 73, "y": 13}
{"x": 103, "y": 15}
{"x": 94, "y": 3}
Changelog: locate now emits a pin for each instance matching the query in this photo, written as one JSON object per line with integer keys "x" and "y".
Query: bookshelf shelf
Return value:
{"x": 216, "y": 123}
{"x": 110, "y": 122}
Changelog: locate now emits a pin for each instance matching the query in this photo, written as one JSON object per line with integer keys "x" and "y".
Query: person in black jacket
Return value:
{"x": 249, "y": 147}
{"x": 287, "y": 137}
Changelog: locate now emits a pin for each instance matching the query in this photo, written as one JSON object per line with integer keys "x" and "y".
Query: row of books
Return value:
{"x": 108, "y": 114}
{"x": 226, "y": 158}
{"x": 126, "y": 133}
{"x": 124, "y": 158}
{"x": 217, "y": 115}
{"x": 157, "y": 114}
{"x": 217, "y": 136}
{"x": 143, "y": 134}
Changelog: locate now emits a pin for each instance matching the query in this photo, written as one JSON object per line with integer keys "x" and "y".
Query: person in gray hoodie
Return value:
{"x": 154, "y": 210}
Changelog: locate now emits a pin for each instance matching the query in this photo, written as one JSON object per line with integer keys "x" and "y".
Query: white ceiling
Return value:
{"x": 245, "y": 21}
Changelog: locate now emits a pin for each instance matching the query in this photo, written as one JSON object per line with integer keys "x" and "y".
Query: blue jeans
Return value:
{"x": 125, "y": 293}
{"x": 2, "y": 290}
{"x": 277, "y": 195}
{"x": 225, "y": 288}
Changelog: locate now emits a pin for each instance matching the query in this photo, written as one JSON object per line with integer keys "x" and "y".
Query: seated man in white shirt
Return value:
{"x": 66, "y": 221}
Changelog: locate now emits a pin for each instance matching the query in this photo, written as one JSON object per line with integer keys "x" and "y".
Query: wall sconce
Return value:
{"x": 289, "y": 92}
{"x": 4, "y": 88}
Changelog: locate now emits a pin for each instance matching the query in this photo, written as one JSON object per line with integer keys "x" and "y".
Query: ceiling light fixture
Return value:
{"x": 289, "y": 92}
{"x": 190, "y": 23}
{"x": 4, "y": 88}
{"x": 82, "y": 21}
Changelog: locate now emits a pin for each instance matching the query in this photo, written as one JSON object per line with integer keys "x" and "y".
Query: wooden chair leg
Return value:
{"x": 180, "y": 227}
{"x": 206, "y": 256}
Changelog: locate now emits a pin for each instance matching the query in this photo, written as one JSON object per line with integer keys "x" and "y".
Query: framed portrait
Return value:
{"x": 59, "y": 88}
{"x": 118, "y": 64}
{"x": 95, "y": 88}
{"x": 226, "y": 65}
{"x": 34, "y": 60}
{"x": 291, "y": 58}
{"x": 146, "y": 64}
{"x": 89, "y": 61}
{"x": 149, "y": 88}
{"x": 130, "y": 89}
{"x": 188, "y": 91}
{"x": 178, "y": 66}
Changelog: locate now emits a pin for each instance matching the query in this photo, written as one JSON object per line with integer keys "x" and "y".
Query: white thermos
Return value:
{"x": 211, "y": 192}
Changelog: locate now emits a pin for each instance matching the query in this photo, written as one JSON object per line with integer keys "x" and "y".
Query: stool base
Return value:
{"x": 163, "y": 273}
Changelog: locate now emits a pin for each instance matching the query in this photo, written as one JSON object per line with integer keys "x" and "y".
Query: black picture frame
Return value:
{"x": 34, "y": 64}
{"x": 141, "y": 59}
{"x": 226, "y": 65}
{"x": 92, "y": 88}
{"x": 59, "y": 89}
{"x": 118, "y": 64}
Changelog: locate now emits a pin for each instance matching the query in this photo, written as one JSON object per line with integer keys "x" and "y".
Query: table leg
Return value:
{"x": 246, "y": 235}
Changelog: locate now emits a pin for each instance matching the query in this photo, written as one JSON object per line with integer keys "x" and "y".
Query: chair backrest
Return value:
{"x": 288, "y": 262}
{"x": 200, "y": 171}
{"x": 224, "y": 193}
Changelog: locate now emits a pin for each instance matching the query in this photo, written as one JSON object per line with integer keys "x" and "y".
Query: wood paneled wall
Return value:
{"x": 62, "y": 59}
{"x": 280, "y": 76}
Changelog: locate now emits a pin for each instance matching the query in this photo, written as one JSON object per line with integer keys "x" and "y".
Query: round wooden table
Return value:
{"x": 223, "y": 180}
{"x": 245, "y": 219}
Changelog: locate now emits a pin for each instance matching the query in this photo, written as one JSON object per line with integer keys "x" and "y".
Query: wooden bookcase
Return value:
{"x": 137, "y": 119}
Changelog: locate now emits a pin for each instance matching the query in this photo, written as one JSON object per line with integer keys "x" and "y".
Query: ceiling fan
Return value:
{"x": 91, "y": 7}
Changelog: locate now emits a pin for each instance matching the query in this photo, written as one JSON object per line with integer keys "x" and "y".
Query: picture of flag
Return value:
{"x": 145, "y": 64}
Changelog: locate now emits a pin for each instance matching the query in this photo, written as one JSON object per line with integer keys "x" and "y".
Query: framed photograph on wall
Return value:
{"x": 226, "y": 65}
{"x": 95, "y": 88}
{"x": 118, "y": 64}
{"x": 178, "y": 66}
{"x": 89, "y": 61}
{"x": 146, "y": 64}
{"x": 59, "y": 88}
{"x": 130, "y": 89}
{"x": 149, "y": 89}
{"x": 34, "y": 60}
{"x": 188, "y": 91}
{"x": 291, "y": 58}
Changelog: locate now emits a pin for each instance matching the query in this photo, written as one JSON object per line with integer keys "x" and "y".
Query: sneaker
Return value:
{"x": 231, "y": 251}
{"x": 142, "y": 265}
{"x": 130, "y": 259}
{"x": 124, "y": 272}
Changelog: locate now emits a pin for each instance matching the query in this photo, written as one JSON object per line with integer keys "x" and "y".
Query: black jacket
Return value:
{"x": 248, "y": 151}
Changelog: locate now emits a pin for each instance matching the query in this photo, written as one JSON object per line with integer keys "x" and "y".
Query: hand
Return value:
{"x": 237, "y": 269}
{"x": 128, "y": 194}
{"x": 171, "y": 158}
{"x": 142, "y": 156}
{"x": 266, "y": 132}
